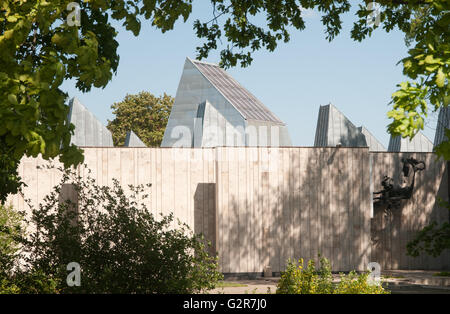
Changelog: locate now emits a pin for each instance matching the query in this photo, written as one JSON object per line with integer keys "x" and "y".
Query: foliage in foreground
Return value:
{"x": 11, "y": 231}
{"x": 120, "y": 246}
{"x": 433, "y": 240}
{"x": 298, "y": 279}
{"x": 13, "y": 279}
{"x": 10, "y": 181}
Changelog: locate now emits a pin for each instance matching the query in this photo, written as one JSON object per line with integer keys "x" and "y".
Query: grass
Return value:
{"x": 229, "y": 284}
{"x": 443, "y": 274}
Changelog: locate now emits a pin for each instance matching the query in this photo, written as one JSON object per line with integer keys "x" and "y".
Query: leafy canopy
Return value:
{"x": 39, "y": 50}
{"x": 144, "y": 114}
{"x": 10, "y": 181}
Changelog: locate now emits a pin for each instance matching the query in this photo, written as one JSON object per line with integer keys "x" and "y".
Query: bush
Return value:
{"x": 30, "y": 281}
{"x": 11, "y": 232}
{"x": 433, "y": 239}
{"x": 8, "y": 287}
{"x": 300, "y": 280}
{"x": 358, "y": 284}
{"x": 13, "y": 278}
{"x": 119, "y": 245}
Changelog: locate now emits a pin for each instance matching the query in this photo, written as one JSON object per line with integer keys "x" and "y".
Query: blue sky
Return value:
{"x": 293, "y": 81}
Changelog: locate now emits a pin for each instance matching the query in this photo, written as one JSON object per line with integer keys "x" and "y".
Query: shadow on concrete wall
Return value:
{"x": 392, "y": 231}
{"x": 205, "y": 214}
{"x": 322, "y": 206}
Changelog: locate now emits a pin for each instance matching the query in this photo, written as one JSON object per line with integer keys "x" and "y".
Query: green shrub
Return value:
{"x": 8, "y": 287}
{"x": 358, "y": 284}
{"x": 300, "y": 280}
{"x": 120, "y": 246}
{"x": 36, "y": 281}
{"x": 11, "y": 232}
{"x": 14, "y": 277}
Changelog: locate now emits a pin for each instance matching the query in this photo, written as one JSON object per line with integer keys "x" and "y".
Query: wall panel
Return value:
{"x": 261, "y": 206}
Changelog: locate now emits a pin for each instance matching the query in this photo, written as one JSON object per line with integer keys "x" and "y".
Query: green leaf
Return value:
{"x": 12, "y": 99}
{"x": 440, "y": 78}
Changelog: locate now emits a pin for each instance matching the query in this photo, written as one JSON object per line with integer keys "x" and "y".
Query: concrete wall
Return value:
{"x": 391, "y": 233}
{"x": 261, "y": 206}
{"x": 182, "y": 180}
{"x": 265, "y": 134}
{"x": 280, "y": 203}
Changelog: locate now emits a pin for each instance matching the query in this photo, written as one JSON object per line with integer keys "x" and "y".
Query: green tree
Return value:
{"x": 41, "y": 45}
{"x": 144, "y": 114}
{"x": 10, "y": 181}
{"x": 12, "y": 239}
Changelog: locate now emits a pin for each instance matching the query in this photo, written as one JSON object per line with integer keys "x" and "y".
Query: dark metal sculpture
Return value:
{"x": 392, "y": 195}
